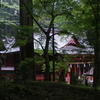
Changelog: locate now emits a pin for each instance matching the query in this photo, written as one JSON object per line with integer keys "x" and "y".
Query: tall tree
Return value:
{"x": 86, "y": 21}
{"x": 26, "y": 34}
{"x": 26, "y": 23}
{"x": 93, "y": 29}
{"x": 50, "y": 11}
{"x": 95, "y": 6}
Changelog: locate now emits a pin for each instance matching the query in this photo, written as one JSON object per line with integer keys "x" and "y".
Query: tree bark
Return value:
{"x": 27, "y": 51}
{"x": 26, "y": 20}
{"x": 97, "y": 58}
{"x": 46, "y": 56}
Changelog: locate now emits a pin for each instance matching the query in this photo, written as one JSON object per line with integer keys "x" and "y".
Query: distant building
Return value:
{"x": 83, "y": 59}
{"x": 80, "y": 65}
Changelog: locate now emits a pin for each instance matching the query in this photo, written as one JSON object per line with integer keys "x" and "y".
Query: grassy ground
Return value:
{"x": 45, "y": 91}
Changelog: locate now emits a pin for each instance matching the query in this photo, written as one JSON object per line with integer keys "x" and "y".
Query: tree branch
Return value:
{"x": 44, "y": 7}
{"x": 53, "y": 17}
{"x": 39, "y": 43}
{"x": 59, "y": 14}
{"x": 32, "y": 16}
{"x": 92, "y": 8}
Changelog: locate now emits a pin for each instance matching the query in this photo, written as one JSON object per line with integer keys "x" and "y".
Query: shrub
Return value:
{"x": 44, "y": 91}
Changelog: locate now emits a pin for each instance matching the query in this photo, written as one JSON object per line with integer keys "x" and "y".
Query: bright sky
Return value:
{"x": 60, "y": 40}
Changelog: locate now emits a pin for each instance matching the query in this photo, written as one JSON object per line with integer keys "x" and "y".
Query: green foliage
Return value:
{"x": 41, "y": 51}
{"x": 58, "y": 65}
{"x": 45, "y": 14}
{"x": 91, "y": 15}
{"x": 25, "y": 67}
{"x": 62, "y": 76}
{"x": 43, "y": 91}
{"x": 28, "y": 65}
{"x": 61, "y": 62}
{"x": 85, "y": 14}
{"x": 1, "y": 45}
{"x": 9, "y": 15}
{"x": 38, "y": 60}
{"x": 57, "y": 11}
{"x": 23, "y": 36}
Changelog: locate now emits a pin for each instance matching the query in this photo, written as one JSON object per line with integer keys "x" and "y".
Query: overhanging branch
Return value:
{"x": 39, "y": 43}
{"x": 32, "y": 16}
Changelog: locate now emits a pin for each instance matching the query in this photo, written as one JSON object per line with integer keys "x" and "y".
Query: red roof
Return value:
{"x": 73, "y": 41}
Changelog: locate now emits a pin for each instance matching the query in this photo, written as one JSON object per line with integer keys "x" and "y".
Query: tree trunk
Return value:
{"x": 27, "y": 51}
{"x": 26, "y": 20}
{"x": 62, "y": 75}
{"x": 46, "y": 56}
{"x": 73, "y": 78}
{"x": 97, "y": 58}
{"x": 96, "y": 82}
{"x": 53, "y": 47}
{"x": 96, "y": 25}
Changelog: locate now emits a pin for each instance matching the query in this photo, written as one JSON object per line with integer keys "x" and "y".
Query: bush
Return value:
{"x": 44, "y": 91}
{"x": 26, "y": 69}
